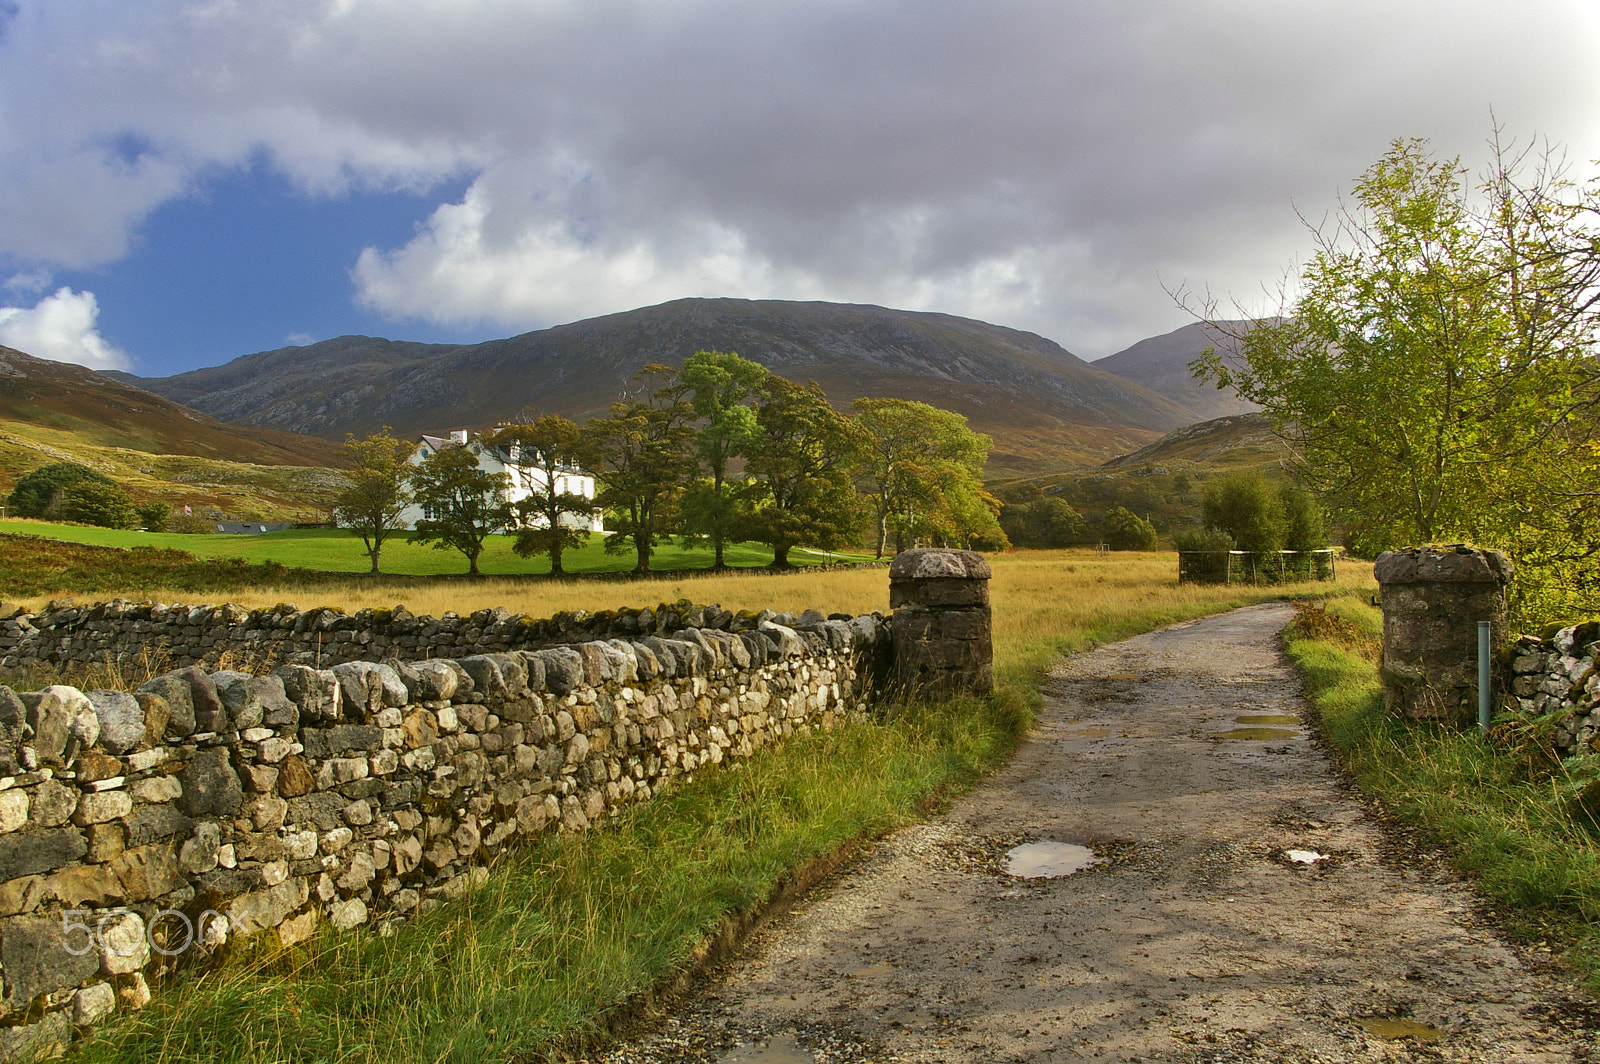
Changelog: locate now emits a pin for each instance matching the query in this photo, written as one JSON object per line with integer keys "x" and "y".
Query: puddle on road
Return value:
{"x": 783, "y": 1049}
{"x": 881, "y": 968}
{"x": 1258, "y": 734}
{"x": 1267, "y": 718}
{"x": 1086, "y": 733}
{"x": 1395, "y": 1030}
{"x": 1049, "y": 860}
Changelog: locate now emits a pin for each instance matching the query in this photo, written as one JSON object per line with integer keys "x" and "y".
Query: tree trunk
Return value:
{"x": 780, "y": 556}
{"x": 374, "y": 555}
{"x": 472, "y": 565}
{"x": 883, "y": 532}
{"x": 716, "y": 543}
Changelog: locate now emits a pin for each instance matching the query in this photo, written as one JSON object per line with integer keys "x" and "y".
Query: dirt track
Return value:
{"x": 1197, "y": 940}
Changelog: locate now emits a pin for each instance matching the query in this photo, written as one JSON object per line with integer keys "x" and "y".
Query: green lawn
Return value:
{"x": 337, "y": 551}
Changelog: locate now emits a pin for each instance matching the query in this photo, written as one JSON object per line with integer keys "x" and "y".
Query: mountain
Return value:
{"x": 1161, "y": 363}
{"x": 1045, "y": 407}
{"x": 1226, "y": 442}
{"x": 114, "y": 413}
{"x": 56, "y": 411}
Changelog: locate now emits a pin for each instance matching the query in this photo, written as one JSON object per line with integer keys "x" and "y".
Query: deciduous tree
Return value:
{"x": 377, "y": 495}
{"x": 462, "y": 503}
{"x": 642, "y": 447}
{"x": 721, "y": 386}
{"x": 800, "y": 465}
{"x": 921, "y": 467}
{"x": 548, "y": 450}
{"x": 68, "y": 491}
{"x": 1436, "y": 373}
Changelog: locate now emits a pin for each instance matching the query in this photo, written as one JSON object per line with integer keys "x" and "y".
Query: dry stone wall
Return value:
{"x": 174, "y": 635}
{"x": 140, "y": 832}
{"x": 1561, "y": 677}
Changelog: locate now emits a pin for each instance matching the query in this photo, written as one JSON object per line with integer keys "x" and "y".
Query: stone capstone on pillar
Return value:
{"x": 1433, "y": 599}
{"x": 942, "y": 626}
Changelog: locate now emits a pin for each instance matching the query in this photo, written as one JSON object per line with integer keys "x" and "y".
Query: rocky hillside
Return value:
{"x": 1161, "y": 363}
{"x": 1045, "y": 407}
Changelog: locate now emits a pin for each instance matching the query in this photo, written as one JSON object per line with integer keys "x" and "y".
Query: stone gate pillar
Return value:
{"x": 942, "y": 631}
{"x": 1433, "y": 599}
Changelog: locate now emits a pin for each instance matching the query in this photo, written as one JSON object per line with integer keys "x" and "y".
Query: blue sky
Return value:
{"x": 186, "y": 181}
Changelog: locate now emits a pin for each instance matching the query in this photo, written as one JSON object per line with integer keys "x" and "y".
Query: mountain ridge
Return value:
{"x": 1045, "y": 407}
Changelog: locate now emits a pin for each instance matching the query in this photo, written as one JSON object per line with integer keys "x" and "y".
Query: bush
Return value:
{"x": 93, "y": 502}
{"x": 43, "y": 492}
{"x": 1126, "y": 530}
{"x": 153, "y": 516}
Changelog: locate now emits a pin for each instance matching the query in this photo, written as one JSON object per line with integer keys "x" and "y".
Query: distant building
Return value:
{"x": 524, "y": 478}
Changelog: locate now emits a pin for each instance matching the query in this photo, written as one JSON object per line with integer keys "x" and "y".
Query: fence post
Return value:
{"x": 942, "y": 627}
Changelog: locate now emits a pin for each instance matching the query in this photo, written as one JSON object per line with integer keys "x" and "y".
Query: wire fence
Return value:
{"x": 1256, "y": 567}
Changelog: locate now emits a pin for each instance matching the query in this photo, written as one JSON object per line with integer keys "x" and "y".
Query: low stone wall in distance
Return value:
{"x": 255, "y": 640}
{"x": 138, "y": 832}
{"x": 1562, "y": 676}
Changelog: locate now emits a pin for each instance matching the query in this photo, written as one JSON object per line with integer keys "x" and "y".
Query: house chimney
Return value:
{"x": 459, "y": 436}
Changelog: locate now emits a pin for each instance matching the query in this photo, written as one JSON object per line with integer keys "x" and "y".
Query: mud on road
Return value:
{"x": 1198, "y": 939}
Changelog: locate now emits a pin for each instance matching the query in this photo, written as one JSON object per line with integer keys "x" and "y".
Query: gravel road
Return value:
{"x": 1197, "y": 938}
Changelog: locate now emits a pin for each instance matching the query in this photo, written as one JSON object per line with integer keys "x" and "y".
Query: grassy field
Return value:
{"x": 1495, "y": 808}
{"x": 570, "y": 929}
{"x": 338, "y": 551}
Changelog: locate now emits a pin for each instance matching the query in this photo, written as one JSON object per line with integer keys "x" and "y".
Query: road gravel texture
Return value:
{"x": 1196, "y": 940}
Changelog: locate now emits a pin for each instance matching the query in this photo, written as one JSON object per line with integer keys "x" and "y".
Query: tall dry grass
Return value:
{"x": 1045, "y": 602}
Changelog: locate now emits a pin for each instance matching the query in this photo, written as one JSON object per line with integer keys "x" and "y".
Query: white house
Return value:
{"x": 524, "y": 479}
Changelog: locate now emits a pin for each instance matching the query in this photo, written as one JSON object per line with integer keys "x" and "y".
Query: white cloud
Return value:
{"x": 1031, "y": 162}
{"x": 61, "y": 327}
{"x": 29, "y": 283}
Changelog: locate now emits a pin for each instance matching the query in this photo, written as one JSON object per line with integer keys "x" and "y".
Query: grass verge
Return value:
{"x": 1497, "y": 813}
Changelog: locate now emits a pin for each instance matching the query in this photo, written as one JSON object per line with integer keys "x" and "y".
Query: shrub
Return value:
{"x": 153, "y": 516}
{"x": 1126, "y": 530}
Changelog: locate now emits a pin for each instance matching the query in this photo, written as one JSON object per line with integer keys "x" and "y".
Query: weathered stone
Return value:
{"x": 97, "y": 808}
{"x": 485, "y": 673}
{"x": 436, "y": 681}
{"x": 258, "y": 910}
{"x": 148, "y": 871}
{"x": 93, "y": 1003}
{"x": 294, "y": 777}
{"x": 177, "y": 699}
{"x": 261, "y": 779}
{"x": 26, "y": 853}
{"x": 52, "y": 804}
{"x": 210, "y": 785}
{"x": 121, "y": 720}
{"x": 357, "y": 874}
{"x": 296, "y": 929}
{"x": 23, "y": 895}
{"x": 348, "y": 914}
{"x": 321, "y": 743}
{"x": 308, "y": 692}
{"x": 148, "y": 823}
{"x": 157, "y": 714}
{"x": 563, "y": 669}
{"x": 81, "y": 885}
{"x": 40, "y": 956}
{"x": 106, "y": 842}
{"x": 37, "y": 1041}
{"x": 199, "y": 854}
{"x": 63, "y": 721}
{"x": 124, "y": 946}
{"x": 13, "y": 809}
